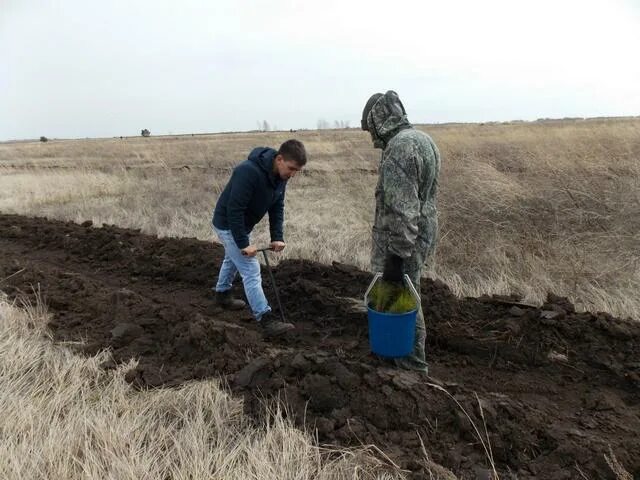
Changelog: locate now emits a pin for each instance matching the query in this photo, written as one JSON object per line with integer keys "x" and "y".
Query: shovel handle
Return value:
{"x": 266, "y": 249}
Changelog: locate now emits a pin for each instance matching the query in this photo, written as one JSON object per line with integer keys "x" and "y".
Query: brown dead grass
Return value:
{"x": 65, "y": 417}
{"x": 524, "y": 207}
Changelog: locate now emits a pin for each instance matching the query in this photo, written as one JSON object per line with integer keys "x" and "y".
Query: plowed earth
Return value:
{"x": 555, "y": 389}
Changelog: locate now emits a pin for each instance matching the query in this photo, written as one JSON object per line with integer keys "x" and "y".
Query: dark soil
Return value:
{"x": 557, "y": 388}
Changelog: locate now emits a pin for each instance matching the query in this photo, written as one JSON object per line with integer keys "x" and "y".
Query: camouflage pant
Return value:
{"x": 413, "y": 268}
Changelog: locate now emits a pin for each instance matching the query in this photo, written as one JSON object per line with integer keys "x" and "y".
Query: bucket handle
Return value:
{"x": 407, "y": 280}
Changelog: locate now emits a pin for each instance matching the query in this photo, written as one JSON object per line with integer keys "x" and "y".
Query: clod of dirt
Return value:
{"x": 247, "y": 375}
{"x": 551, "y": 315}
{"x": 322, "y": 394}
{"x": 345, "y": 378}
{"x": 124, "y": 333}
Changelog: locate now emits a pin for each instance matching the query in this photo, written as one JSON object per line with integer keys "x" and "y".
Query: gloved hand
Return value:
{"x": 393, "y": 266}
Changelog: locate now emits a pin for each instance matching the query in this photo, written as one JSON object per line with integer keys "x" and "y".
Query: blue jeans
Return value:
{"x": 249, "y": 268}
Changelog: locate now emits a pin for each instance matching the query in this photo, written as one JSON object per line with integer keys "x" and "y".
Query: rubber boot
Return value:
{"x": 271, "y": 327}
{"x": 225, "y": 300}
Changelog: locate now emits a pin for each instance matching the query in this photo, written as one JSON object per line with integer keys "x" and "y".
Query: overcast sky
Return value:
{"x": 85, "y": 68}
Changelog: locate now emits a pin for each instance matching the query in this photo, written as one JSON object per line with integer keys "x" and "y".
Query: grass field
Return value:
{"x": 524, "y": 208}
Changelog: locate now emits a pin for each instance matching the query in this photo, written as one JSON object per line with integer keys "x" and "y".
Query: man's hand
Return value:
{"x": 393, "y": 265}
{"x": 277, "y": 246}
{"x": 249, "y": 251}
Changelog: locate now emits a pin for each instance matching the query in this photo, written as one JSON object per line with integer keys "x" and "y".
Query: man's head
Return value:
{"x": 383, "y": 116}
{"x": 367, "y": 108}
{"x": 290, "y": 159}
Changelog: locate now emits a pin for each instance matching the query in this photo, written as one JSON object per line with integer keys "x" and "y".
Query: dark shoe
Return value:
{"x": 226, "y": 301}
{"x": 271, "y": 327}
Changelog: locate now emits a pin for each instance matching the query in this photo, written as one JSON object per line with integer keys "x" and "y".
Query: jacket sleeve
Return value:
{"x": 242, "y": 186}
{"x": 276, "y": 219}
{"x": 401, "y": 198}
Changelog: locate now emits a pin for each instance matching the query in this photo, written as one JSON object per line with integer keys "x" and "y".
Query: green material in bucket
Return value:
{"x": 391, "y": 332}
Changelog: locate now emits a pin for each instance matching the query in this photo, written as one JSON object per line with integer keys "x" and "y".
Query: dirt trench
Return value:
{"x": 554, "y": 389}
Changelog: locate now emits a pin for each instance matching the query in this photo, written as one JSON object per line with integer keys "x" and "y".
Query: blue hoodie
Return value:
{"x": 253, "y": 190}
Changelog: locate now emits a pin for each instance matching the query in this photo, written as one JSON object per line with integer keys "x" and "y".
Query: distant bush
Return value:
{"x": 44, "y": 139}
{"x": 337, "y": 124}
{"x": 264, "y": 126}
{"x": 145, "y": 133}
{"x": 323, "y": 124}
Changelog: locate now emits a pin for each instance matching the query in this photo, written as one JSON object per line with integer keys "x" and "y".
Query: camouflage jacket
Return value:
{"x": 406, "y": 211}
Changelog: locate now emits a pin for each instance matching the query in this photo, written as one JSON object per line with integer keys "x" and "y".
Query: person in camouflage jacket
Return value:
{"x": 406, "y": 225}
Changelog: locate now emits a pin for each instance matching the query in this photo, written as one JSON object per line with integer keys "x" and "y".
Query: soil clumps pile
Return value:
{"x": 553, "y": 389}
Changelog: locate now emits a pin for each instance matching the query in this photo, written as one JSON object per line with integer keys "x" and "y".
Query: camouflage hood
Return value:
{"x": 386, "y": 117}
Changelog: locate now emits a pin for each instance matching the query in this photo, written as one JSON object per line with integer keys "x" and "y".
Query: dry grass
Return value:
{"x": 616, "y": 467}
{"x": 65, "y": 417}
{"x": 524, "y": 207}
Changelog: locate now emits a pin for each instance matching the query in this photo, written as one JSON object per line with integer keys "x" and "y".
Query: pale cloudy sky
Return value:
{"x": 88, "y": 68}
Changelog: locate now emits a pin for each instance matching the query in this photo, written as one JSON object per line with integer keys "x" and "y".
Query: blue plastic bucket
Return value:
{"x": 392, "y": 334}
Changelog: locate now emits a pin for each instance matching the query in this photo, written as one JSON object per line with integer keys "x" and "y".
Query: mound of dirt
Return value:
{"x": 546, "y": 392}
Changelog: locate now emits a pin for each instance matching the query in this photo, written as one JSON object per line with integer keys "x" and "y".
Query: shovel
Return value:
{"x": 273, "y": 280}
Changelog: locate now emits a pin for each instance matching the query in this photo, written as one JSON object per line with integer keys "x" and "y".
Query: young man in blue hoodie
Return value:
{"x": 257, "y": 186}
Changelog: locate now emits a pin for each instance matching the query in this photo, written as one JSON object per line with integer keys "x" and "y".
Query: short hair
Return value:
{"x": 294, "y": 150}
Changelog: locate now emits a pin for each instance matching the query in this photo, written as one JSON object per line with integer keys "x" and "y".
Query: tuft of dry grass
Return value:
{"x": 524, "y": 208}
{"x": 66, "y": 417}
{"x": 616, "y": 467}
